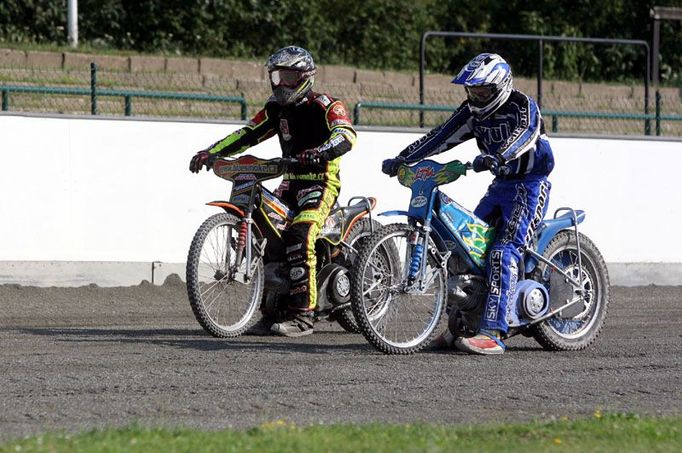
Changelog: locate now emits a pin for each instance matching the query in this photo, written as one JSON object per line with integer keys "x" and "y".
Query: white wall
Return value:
{"x": 96, "y": 190}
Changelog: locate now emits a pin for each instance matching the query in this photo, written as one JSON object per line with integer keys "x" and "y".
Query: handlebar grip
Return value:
{"x": 288, "y": 160}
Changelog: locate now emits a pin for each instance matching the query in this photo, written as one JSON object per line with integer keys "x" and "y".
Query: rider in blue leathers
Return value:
{"x": 510, "y": 134}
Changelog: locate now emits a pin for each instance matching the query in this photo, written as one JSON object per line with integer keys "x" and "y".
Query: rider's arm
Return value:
{"x": 526, "y": 133}
{"x": 457, "y": 129}
{"x": 258, "y": 129}
{"x": 342, "y": 136}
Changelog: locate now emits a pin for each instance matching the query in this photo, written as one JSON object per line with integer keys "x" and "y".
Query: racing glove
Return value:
{"x": 310, "y": 157}
{"x": 199, "y": 160}
{"x": 492, "y": 162}
{"x": 390, "y": 166}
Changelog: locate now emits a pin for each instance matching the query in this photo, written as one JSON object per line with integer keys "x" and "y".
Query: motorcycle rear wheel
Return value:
{"x": 392, "y": 320}
{"x": 581, "y": 329}
{"x": 359, "y": 233}
{"x": 223, "y": 306}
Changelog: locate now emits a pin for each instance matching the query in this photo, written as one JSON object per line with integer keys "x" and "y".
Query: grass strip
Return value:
{"x": 603, "y": 433}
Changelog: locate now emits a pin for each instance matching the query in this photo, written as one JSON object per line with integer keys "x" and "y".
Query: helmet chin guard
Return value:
{"x": 487, "y": 80}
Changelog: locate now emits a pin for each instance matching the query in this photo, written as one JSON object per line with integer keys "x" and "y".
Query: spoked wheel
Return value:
{"x": 577, "y": 326}
{"x": 395, "y": 318}
{"x": 222, "y": 301}
{"x": 358, "y": 234}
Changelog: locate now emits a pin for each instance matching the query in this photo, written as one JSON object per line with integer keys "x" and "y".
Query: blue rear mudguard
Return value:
{"x": 548, "y": 229}
{"x": 394, "y": 213}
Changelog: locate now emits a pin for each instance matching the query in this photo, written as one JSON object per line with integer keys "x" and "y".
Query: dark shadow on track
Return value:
{"x": 174, "y": 337}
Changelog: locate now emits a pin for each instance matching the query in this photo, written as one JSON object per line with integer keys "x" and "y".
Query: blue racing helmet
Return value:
{"x": 487, "y": 80}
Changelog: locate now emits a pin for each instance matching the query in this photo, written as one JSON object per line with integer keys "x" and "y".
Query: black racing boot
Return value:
{"x": 262, "y": 327}
{"x": 296, "y": 324}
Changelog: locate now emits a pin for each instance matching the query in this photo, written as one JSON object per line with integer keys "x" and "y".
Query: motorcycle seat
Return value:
{"x": 358, "y": 208}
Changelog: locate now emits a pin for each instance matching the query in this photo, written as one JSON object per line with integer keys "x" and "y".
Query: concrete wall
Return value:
{"x": 97, "y": 201}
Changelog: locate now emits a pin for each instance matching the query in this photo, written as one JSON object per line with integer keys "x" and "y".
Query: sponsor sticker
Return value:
{"x": 241, "y": 187}
{"x": 284, "y": 128}
{"x": 311, "y": 197}
{"x": 339, "y": 110}
{"x": 495, "y": 285}
{"x": 324, "y": 100}
{"x": 296, "y": 273}
{"x": 298, "y": 290}
{"x": 419, "y": 201}
{"x": 424, "y": 173}
{"x": 293, "y": 248}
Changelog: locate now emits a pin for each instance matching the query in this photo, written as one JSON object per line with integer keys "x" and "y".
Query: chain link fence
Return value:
{"x": 216, "y": 89}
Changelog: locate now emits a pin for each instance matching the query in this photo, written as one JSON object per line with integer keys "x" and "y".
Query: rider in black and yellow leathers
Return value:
{"x": 316, "y": 129}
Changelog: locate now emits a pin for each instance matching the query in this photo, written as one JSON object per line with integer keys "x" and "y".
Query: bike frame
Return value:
{"x": 243, "y": 195}
{"x": 243, "y": 202}
{"x": 423, "y": 179}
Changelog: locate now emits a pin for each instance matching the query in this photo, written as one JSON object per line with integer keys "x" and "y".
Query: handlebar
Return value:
{"x": 282, "y": 161}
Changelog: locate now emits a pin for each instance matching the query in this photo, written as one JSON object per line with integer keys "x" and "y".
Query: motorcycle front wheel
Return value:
{"x": 222, "y": 301}
{"x": 393, "y": 317}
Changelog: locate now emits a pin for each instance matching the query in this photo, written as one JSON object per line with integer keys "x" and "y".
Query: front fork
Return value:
{"x": 418, "y": 257}
{"x": 245, "y": 250}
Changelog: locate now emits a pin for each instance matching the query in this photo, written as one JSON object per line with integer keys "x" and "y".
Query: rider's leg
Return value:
{"x": 523, "y": 205}
{"x": 487, "y": 210}
{"x": 313, "y": 206}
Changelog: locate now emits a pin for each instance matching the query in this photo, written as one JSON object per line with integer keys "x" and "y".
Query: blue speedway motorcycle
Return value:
{"x": 408, "y": 274}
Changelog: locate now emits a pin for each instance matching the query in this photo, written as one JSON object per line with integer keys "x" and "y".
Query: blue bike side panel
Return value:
{"x": 475, "y": 234}
{"x": 548, "y": 229}
{"x": 456, "y": 245}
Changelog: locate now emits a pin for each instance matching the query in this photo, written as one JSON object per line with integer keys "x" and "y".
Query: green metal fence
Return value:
{"x": 127, "y": 95}
{"x": 555, "y": 115}
{"x": 222, "y": 92}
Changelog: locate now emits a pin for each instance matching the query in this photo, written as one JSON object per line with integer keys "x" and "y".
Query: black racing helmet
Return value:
{"x": 292, "y": 73}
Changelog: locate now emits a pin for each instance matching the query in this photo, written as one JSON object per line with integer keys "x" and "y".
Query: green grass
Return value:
{"x": 608, "y": 433}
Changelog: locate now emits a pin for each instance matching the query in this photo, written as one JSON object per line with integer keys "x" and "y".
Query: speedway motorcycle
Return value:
{"x": 236, "y": 264}
{"x": 408, "y": 274}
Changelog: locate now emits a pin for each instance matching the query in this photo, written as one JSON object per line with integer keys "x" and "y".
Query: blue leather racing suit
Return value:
{"x": 514, "y": 203}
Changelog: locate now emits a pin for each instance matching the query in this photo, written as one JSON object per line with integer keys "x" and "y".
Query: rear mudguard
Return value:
{"x": 548, "y": 229}
{"x": 372, "y": 204}
{"x": 394, "y": 213}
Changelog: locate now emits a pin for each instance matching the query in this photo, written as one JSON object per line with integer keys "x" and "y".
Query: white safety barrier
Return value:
{"x": 98, "y": 201}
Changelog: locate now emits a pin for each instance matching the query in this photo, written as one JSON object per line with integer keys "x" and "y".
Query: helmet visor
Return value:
{"x": 480, "y": 94}
{"x": 285, "y": 77}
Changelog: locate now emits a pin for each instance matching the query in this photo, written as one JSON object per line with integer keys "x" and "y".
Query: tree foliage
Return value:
{"x": 381, "y": 34}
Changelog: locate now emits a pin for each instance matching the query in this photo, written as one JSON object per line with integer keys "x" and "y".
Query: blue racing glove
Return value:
{"x": 390, "y": 166}
{"x": 492, "y": 162}
{"x": 479, "y": 164}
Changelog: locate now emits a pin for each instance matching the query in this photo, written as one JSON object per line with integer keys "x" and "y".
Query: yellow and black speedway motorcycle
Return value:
{"x": 237, "y": 265}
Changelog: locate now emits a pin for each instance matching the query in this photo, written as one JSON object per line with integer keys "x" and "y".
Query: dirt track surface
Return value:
{"x": 80, "y": 358}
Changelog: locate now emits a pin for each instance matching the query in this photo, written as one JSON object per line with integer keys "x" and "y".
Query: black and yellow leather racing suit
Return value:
{"x": 320, "y": 122}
